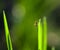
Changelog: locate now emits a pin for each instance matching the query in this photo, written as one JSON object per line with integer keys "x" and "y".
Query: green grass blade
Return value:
{"x": 8, "y": 39}
{"x": 45, "y": 33}
{"x": 39, "y": 35}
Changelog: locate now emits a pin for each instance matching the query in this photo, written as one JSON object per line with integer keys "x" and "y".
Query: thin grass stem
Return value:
{"x": 45, "y": 33}
{"x": 7, "y": 34}
{"x": 39, "y": 35}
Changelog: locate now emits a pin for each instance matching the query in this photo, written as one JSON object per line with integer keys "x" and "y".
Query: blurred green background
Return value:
{"x": 21, "y": 16}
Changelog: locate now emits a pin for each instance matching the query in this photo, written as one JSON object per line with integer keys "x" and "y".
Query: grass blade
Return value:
{"x": 8, "y": 39}
{"x": 39, "y": 35}
{"x": 45, "y": 33}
